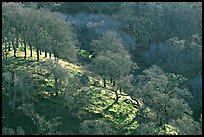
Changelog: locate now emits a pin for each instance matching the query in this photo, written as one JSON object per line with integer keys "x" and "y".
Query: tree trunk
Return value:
{"x": 50, "y": 55}
{"x": 56, "y": 93}
{"x": 120, "y": 90}
{"x": 37, "y": 50}
{"x": 14, "y": 50}
{"x": 56, "y": 86}
{"x": 104, "y": 82}
{"x": 138, "y": 104}
{"x": 24, "y": 45}
{"x": 55, "y": 57}
{"x": 9, "y": 45}
{"x": 16, "y": 40}
{"x": 111, "y": 79}
{"x": 45, "y": 54}
{"x": 40, "y": 52}
{"x": 113, "y": 83}
{"x": 31, "y": 52}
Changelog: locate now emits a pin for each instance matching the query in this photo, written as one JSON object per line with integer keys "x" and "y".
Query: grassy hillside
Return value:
{"x": 90, "y": 100}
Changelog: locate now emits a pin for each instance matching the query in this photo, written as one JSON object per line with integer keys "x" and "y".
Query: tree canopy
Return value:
{"x": 102, "y": 68}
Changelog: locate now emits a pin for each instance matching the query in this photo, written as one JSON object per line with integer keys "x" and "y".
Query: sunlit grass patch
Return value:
{"x": 71, "y": 66}
{"x": 97, "y": 101}
{"x": 168, "y": 130}
{"x": 120, "y": 114}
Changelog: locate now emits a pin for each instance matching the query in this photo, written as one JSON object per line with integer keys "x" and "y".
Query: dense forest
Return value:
{"x": 101, "y": 68}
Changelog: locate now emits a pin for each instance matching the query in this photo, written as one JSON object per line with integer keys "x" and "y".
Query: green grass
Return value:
{"x": 119, "y": 115}
{"x": 96, "y": 98}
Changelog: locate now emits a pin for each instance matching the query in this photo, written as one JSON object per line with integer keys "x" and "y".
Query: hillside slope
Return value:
{"x": 90, "y": 100}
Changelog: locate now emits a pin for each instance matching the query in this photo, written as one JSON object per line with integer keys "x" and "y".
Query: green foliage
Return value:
{"x": 43, "y": 127}
{"x": 89, "y": 7}
{"x": 147, "y": 129}
{"x": 163, "y": 94}
{"x": 104, "y": 66}
{"x": 54, "y": 96}
{"x": 96, "y": 127}
{"x": 7, "y": 131}
{"x": 37, "y": 27}
{"x": 177, "y": 56}
{"x": 10, "y": 131}
{"x": 187, "y": 126}
{"x": 110, "y": 41}
{"x": 46, "y": 127}
{"x": 112, "y": 60}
